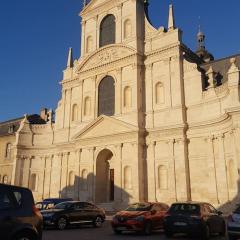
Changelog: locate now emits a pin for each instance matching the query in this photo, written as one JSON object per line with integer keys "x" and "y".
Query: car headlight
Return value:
{"x": 139, "y": 219}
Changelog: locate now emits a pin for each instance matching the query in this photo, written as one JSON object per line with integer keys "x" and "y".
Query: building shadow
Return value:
{"x": 84, "y": 189}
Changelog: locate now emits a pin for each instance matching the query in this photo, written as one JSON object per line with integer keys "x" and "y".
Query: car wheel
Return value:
{"x": 206, "y": 233}
{"x": 117, "y": 231}
{"x": 148, "y": 228}
{"x": 97, "y": 222}
{"x": 61, "y": 223}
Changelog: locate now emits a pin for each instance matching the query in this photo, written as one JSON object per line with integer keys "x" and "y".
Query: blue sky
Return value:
{"x": 35, "y": 37}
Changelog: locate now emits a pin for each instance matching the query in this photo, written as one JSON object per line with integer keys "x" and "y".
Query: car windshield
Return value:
{"x": 185, "y": 208}
{"x": 139, "y": 207}
{"x": 64, "y": 205}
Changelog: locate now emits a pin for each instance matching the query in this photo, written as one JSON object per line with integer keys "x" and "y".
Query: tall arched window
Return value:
{"x": 84, "y": 180}
{"x": 127, "y": 97}
{"x": 75, "y": 112}
{"x": 127, "y": 177}
{"x": 89, "y": 46}
{"x": 106, "y": 96}
{"x": 159, "y": 92}
{"x": 8, "y": 151}
{"x": 162, "y": 177}
{"x": 127, "y": 29}
{"x": 33, "y": 182}
{"x": 5, "y": 179}
{"x": 87, "y": 106}
{"x": 107, "y": 31}
{"x": 71, "y": 178}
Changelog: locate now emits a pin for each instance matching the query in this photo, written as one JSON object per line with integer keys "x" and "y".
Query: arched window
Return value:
{"x": 71, "y": 178}
{"x": 75, "y": 112}
{"x": 127, "y": 29}
{"x": 87, "y": 106}
{"x": 5, "y": 179}
{"x": 107, "y": 31}
{"x": 8, "y": 151}
{"x": 159, "y": 92}
{"x": 33, "y": 182}
{"x": 231, "y": 174}
{"x": 106, "y": 96}
{"x": 89, "y": 46}
{"x": 84, "y": 180}
{"x": 162, "y": 177}
{"x": 127, "y": 97}
{"x": 127, "y": 177}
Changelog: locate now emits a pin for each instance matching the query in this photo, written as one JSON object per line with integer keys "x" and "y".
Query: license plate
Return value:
{"x": 180, "y": 224}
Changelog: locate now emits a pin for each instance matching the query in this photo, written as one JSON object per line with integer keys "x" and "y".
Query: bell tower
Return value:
{"x": 106, "y": 22}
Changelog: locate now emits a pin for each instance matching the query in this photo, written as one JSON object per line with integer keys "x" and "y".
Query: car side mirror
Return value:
{"x": 153, "y": 212}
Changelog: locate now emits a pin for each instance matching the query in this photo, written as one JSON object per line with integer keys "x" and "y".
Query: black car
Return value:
{"x": 73, "y": 212}
{"x": 194, "y": 219}
{"x": 19, "y": 218}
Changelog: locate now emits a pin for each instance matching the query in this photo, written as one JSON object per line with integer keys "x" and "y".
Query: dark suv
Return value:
{"x": 194, "y": 218}
{"x": 19, "y": 219}
{"x": 73, "y": 212}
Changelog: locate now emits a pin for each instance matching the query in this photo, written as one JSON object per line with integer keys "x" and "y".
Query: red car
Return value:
{"x": 140, "y": 217}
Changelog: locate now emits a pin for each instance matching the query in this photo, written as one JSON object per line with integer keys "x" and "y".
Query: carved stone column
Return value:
{"x": 119, "y": 92}
{"x": 149, "y": 96}
{"x": 118, "y": 174}
{"x": 213, "y": 186}
{"x": 151, "y": 169}
{"x": 173, "y": 166}
{"x": 92, "y": 180}
{"x": 222, "y": 174}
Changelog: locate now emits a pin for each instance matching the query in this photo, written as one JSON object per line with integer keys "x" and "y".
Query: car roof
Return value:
{"x": 6, "y": 186}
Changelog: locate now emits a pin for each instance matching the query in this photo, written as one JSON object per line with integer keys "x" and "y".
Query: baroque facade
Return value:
{"x": 141, "y": 117}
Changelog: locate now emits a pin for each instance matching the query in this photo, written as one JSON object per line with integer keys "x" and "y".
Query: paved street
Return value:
{"x": 104, "y": 233}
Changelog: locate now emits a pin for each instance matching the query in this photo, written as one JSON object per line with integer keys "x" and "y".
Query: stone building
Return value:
{"x": 141, "y": 117}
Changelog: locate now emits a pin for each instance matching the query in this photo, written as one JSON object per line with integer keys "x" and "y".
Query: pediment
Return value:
{"x": 104, "y": 126}
{"x": 93, "y": 4}
{"x": 106, "y": 55}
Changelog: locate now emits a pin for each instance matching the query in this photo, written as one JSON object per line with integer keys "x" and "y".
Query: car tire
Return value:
{"x": 61, "y": 223}
{"x": 206, "y": 233}
{"x": 148, "y": 228}
{"x": 98, "y": 221}
{"x": 118, "y": 232}
{"x": 25, "y": 236}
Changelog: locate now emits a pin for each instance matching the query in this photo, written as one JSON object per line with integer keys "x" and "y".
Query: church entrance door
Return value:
{"x": 104, "y": 188}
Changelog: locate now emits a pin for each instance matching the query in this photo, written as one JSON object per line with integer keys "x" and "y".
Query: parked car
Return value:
{"x": 140, "y": 217}
{"x": 194, "y": 219}
{"x": 73, "y": 212}
{"x": 233, "y": 225}
{"x": 49, "y": 203}
{"x": 19, "y": 218}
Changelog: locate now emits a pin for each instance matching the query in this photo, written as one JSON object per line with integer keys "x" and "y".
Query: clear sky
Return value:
{"x": 35, "y": 37}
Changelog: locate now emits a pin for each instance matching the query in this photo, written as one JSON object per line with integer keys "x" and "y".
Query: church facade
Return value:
{"x": 141, "y": 118}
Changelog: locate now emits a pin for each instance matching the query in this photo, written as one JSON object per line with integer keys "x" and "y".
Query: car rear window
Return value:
{"x": 9, "y": 199}
{"x": 185, "y": 208}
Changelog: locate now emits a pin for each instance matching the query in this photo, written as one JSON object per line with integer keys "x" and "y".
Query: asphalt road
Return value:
{"x": 104, "y": 233}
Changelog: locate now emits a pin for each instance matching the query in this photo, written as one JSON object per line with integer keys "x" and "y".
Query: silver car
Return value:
{"x": 233, "y": 225}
